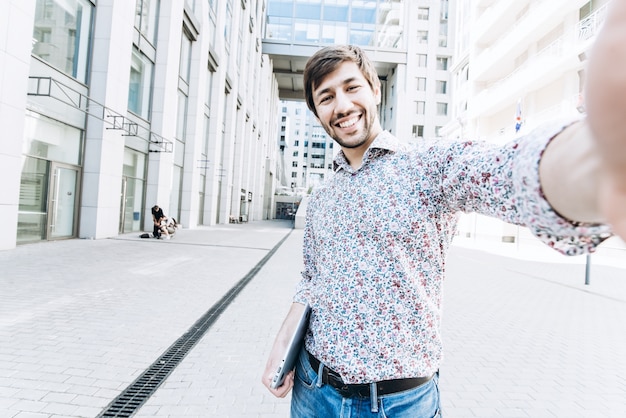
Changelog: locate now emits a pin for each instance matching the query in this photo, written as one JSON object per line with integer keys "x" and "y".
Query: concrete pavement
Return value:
{"x": 81, "y": 320}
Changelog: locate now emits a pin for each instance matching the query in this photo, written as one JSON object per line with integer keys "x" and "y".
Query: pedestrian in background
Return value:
{"x": 157, "y": 217}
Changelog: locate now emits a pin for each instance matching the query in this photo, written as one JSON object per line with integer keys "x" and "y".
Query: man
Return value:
{"x": 377, "y": 233}
{"x": 157, "y": 217}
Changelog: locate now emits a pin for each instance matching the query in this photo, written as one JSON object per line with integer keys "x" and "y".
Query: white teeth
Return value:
{"x": 349, "y": 123}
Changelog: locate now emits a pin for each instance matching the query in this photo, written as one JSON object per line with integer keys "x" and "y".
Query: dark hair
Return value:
{"x": 327, "y": 60}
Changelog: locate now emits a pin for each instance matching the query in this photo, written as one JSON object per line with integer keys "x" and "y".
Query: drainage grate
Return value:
{"x": 135, "y": 395}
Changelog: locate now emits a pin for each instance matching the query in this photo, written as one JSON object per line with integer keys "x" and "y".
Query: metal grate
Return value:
{"x": 138, "y": 392}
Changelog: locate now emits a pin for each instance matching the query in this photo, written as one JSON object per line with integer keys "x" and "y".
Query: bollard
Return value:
{"x": 588, "y": 270}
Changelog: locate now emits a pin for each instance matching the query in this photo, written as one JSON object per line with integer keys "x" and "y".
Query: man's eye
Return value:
{"x": 325, "y": 99}
{"x": 352, "y": 88}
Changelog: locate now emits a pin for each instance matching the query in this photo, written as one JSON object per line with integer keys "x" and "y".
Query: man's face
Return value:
{"x": 346, "y": 107}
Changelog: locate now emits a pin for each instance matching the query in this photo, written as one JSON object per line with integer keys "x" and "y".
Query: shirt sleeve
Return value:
{"x": 303, "y": 288}
{"x": 503, "y": 182}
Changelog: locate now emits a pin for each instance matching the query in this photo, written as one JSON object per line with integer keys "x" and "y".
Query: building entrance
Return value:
{"x": 48, "y": 201}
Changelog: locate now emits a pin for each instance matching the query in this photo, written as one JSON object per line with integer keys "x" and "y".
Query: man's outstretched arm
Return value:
{"x": 583, "y": 170}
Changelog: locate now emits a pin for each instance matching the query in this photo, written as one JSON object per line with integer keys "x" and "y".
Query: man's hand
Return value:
{"x": 278, "y": 350}
{"x": 606, "y": 107}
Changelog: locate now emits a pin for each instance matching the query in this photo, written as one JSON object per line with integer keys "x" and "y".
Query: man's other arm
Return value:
{"x": 583, "y": 169}
{"x": 280, "y": 345}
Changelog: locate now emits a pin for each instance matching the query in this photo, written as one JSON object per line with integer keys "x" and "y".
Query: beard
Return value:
{"x": 358, "y": 138}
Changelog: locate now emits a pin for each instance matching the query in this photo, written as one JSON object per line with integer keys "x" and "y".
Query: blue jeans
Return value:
{"x": 312, "y": 400}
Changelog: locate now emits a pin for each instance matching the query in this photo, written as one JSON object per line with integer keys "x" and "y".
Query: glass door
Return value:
{"x": 130, "y": 205}
{"x": 32, "y": 216}
{"x": 63, "y": 201}
{"x": 131, "y": 195}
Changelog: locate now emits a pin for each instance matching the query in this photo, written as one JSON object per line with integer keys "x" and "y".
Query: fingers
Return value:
{"x": 283, "y": 390}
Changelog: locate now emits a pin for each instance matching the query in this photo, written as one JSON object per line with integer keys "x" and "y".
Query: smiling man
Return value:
{"x": 377, "y": 233}
{"x": 346, "y": 105}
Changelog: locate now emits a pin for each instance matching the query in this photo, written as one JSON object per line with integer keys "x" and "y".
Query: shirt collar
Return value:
{"x": 384, "y": 141}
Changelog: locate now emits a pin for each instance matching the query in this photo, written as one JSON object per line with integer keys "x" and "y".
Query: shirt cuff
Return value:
{"x": 565, "y": 236}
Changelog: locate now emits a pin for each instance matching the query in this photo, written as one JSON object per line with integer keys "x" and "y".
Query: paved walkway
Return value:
{"x": 80, "y": 320}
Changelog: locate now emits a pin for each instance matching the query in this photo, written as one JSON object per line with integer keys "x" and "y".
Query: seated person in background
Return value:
{"x": 171, "y": 225}
{"x": 167, "y": 227}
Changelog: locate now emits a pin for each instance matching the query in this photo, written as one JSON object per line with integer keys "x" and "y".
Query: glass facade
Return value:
{"x": 61, "y": 35}
{"x": 49, "y": 181}
{"x": 33, "y": 206}
{"x": 146, "y": 18}
{"x": 51, "y": 140}
{"x": 375, "y": 23}
{"x": 141, "y": 69}
{"x": 133, "y": 184}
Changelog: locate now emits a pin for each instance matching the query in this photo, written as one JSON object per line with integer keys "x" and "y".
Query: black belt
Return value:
{"x": 385, "y": 387}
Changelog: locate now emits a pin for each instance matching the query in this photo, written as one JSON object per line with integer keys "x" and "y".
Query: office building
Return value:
{"x": 306, "y": 150}
{"x": 111, "y": 106}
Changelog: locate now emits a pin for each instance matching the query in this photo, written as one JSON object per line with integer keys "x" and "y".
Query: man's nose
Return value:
{"x": 343, "y": 102}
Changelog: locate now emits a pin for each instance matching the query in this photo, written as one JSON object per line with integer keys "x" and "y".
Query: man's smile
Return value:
{"x": 349, "y": 122}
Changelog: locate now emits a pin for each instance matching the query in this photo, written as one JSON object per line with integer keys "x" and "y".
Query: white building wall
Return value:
{"x": 404, "y": 81}
{"x": 16, "y": 23}
{"x": 241, "y": 105}
{"x": 104, "y": 148}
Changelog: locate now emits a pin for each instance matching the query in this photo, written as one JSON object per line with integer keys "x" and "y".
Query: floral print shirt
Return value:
{"x": 376, "y": 240}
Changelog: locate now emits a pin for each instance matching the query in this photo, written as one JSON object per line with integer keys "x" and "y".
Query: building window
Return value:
{"x": 442, "y": 87}
{"x": 422, "y": 60}
{"x": 307, "y": 31}
{"x": 334, "y": 32}
{"x": 422, "y": 13}
{"x": 185, "y": 59}
{"x": 422, "y": 36}
{"x": 294, "y": 163}
{"x": 362, "y": 36}
{"x": 146, "y": 18}
{"x": 420, "y": 107}
{"x": 295, "y": 153}
{"x": 442, "y": 63}
{"x": 294, "y": 174}
{"x": 228, "y": 23}
{"x": 443, "y": 33}
{"x": 141, "y": 69}
{"x": 62, "y": 33}
{"x": 442, "y": 109}
{"x": 421, "y": 83}
{"x": 444, "y": 9}
{"x": 418, "y": 131}
{"x": 181, "y": 118}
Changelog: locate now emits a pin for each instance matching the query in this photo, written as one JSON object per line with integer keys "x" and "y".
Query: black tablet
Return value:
{"x": 288, "y": 362}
